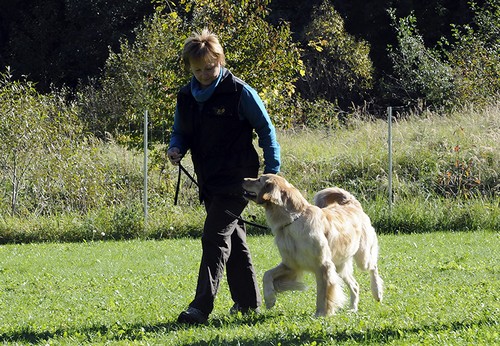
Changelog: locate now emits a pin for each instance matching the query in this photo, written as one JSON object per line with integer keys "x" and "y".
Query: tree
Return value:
{"x": 146, "y": 74}
{"x": 338, "y": 67}
{"x": 467, "y": 70}
{"x": 421, "y": 77}
{"x": 475, "y": 55}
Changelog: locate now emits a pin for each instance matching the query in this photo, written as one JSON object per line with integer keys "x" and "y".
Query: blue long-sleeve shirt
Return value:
{"x": 251, "y": 108}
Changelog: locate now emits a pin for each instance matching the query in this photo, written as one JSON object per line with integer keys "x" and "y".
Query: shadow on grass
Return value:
{"x": 132, "y": 333}
{"x": 104, "y": 332}
{"x": 369, "y": 336}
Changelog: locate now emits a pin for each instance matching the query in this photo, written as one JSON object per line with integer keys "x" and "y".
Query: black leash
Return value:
{"x": 182, "y": 169}
{"x": 245, "y": 221}
{"x": 178, "y": 186}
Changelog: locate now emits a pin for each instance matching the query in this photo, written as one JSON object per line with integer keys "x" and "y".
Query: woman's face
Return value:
{"x": 205, "y": 72}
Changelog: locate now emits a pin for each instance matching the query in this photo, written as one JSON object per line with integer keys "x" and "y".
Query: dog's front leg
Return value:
{"x": 322, "y": 282}
{"x": 329, "y": 295}
{"x": 268, "y": 282}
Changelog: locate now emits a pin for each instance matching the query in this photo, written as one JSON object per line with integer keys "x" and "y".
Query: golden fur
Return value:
{"x": 323, "y": 239}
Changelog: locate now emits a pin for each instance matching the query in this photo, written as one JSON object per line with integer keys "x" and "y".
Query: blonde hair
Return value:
{"x": 203, "y": 46}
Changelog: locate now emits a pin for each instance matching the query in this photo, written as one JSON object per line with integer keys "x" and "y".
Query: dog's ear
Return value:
{"x": 270, "y": 193}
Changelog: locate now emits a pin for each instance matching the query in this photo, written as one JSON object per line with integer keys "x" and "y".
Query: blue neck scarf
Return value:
{"x": 201, "y": 95}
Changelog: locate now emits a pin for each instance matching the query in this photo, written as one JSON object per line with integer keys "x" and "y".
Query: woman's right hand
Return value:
{"x": 174, "y": 155}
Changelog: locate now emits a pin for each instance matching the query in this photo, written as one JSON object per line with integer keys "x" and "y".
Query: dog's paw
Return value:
{"x": 270, "y": 299}
{"x": 270, "y": 303}
{"x": 321, "y": 313}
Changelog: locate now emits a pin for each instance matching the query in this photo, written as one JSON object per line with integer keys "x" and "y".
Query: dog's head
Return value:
{"x": 271, "y": 189}
{"x": 265, "y": 189}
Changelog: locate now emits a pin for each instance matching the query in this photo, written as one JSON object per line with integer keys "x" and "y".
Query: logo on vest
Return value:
{"x": 219, "y": 111}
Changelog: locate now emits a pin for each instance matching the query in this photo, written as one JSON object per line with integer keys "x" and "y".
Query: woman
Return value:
{"x": 215, "y": 118}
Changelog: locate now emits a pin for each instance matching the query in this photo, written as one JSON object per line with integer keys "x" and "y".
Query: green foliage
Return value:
{"x": 421, "y": 77}
{"x": 418, "y": 214}
{"x": 338, "y": 67}
{"x": 315, "y": 114}
{"x": 475, "y": 56}
{"x": 144, "y": 75}
{"x": 48, "y": 166}
{"x": 147, "y": 73}
{"x": 263, "y": 55}
{"x": 78, "y": 36}
{"x": 467, "y": 70}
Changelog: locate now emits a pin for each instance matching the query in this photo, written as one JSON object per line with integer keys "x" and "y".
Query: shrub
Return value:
{"x": 144, "y": 75}
{"x": 338, "y": 67}
{"x": 48, "y": 166}
{"x": 420, "y": 76}
{"x": 263, "y": 55}
{"x": 475, "y": 56}
{"x": 34, "y": 128}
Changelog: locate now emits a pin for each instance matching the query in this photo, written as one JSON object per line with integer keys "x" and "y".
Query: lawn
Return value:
{"x": 440, "y": 288}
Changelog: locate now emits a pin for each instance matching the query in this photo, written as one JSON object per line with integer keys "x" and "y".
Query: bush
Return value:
{"x": 420, "y": 76}
{"x": 144, "y": 75}
{"x": 338, "y": 67}
{"x": 465, "y": 71}
{"x": 96, "y": 193}
{"x": 475, "y": 56}
{"x": 37, "y": 134}
{"x": 48, "y": 166}
{"x": 263, "y": 55}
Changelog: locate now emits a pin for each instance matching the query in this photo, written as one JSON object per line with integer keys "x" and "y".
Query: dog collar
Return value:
{"x": 294, "y": 218}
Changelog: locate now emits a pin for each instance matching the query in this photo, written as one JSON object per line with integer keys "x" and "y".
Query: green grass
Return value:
{"x": 440, "y": 288}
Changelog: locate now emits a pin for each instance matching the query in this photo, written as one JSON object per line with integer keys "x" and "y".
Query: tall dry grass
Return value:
{"x": 445, "y": 177}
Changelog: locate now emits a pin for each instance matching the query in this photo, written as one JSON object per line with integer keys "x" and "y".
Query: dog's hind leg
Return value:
{"x": 345, "y": 271}
{"x": 366, "y": 259}
{"x": 279, "y": 279}
{"x": 377, "y": 284}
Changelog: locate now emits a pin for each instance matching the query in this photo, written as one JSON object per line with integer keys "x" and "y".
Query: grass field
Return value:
{"x": 440, "y": 288}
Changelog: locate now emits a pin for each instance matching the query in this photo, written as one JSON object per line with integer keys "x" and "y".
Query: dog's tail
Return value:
{"x": 335, "y": 294}
{"x": 334, "y": 195}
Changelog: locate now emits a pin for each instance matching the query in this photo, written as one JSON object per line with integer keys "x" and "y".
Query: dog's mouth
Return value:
{"x": 249, "y": 195}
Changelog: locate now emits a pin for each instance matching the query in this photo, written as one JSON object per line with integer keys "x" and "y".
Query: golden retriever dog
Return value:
{"x": 323, "y": 239}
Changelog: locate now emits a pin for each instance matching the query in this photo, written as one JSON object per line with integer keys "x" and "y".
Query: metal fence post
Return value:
{"x": 145, "y": 170}
{"x": 389, "y": 142}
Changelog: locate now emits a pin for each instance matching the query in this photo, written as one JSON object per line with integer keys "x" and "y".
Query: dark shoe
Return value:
{"x": 192, "y": 316}
{"x": 244, "y": 310}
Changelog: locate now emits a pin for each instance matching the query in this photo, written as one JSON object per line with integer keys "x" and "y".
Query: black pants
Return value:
{"x": 224, "y": 246}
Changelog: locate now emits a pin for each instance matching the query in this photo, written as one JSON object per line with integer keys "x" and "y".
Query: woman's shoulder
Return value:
{"x": 185, "y": 89}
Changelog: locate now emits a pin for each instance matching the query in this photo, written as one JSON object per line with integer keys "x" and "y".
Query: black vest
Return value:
{"x": 220, "y": 141}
